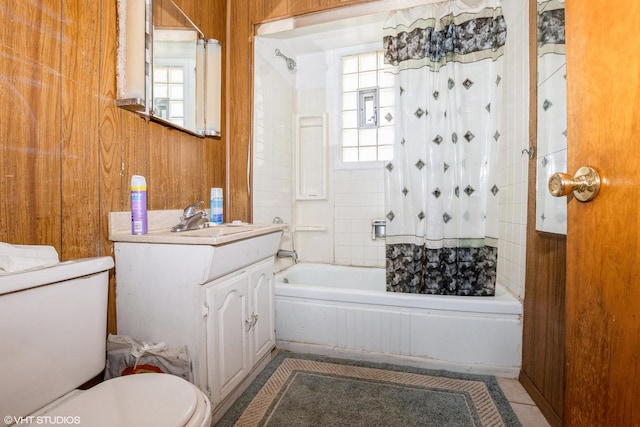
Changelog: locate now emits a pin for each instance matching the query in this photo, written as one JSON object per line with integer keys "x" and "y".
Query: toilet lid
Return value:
{"x": 134, "y": 400}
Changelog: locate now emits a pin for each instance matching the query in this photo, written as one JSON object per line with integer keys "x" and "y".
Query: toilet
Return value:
{"x": 53, "y": 339}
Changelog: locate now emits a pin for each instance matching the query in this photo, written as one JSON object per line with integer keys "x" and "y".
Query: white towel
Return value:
{"x": 24, "y": 257}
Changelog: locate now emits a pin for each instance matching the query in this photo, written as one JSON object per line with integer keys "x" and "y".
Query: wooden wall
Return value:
{"x": 66, "y": 152}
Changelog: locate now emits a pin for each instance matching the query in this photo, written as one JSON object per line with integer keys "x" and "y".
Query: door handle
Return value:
{"x": 584, "y": 185}
{"x": 251, "y": 323}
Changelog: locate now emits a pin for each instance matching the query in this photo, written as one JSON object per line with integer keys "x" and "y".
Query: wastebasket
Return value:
{"x": 126, "y": 356}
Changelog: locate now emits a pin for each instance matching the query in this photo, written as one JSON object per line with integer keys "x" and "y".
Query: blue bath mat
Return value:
{"x": 308, "y": 390}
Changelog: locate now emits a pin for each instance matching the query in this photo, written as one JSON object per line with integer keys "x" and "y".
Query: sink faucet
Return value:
{"x": 283, "y": 253}
{"x": 192, "y": 219}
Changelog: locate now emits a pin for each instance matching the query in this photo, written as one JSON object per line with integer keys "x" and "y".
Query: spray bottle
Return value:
{"x": 138, "y": 205}
{"x": 216, "y": 205}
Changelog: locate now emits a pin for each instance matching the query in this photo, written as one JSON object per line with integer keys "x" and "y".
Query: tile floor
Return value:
{"x": 526, "y": 411}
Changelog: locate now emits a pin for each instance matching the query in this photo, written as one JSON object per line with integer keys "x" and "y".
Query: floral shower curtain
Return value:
{"x": 442, "y": 186}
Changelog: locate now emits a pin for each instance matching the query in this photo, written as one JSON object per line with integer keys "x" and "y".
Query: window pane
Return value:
{"x": 386, "y": 116}
{"x": 350, "y": 83}
{"x": 160, "y": 74}
{"x": 350, "y": 101}
{"x": 368, "y": 62}
{"x": 385, "y": 79}
{"x": 176, "y": 92}
{"x": 176, "y": 108}
{"x": 367, "y": 79}
{"x": 350, "y": 119}
{"x": 160, "y": 91}
{"x": 386, "y": 97}
{"x": 368, "y": 137}
{"x": 350, "y": 64}
{"x": 385, "y": 135}
{"x": 349, "y": 154}
{"x": 349, "y": 138}
{"x": 380, "y": 59}
{"x": 368, "y": 154}
{"x": 176, "y": 75}
{"x": 368, "y": 107}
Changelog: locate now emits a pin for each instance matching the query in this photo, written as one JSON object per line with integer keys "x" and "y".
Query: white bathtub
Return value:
{"x": 346, "y": 311}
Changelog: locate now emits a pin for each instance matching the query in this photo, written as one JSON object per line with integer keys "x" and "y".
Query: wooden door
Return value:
{"x": 603, "y": 236}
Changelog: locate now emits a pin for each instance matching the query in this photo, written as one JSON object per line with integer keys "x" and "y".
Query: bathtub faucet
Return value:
{"x": 283, "y": 253}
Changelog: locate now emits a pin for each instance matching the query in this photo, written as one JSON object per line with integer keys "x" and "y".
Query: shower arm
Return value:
{"x": 291, "y": 63}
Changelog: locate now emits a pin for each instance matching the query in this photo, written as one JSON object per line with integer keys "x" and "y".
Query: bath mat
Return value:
{"x": 308, "y": 390}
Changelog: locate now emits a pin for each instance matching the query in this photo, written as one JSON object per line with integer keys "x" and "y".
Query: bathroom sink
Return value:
{"x": 221, "y": 230}
{"x": 206, "y": 253}
{"x": 160, "y": 223}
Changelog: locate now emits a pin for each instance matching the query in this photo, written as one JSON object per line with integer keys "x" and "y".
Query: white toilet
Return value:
{"x": 53, "y": 339}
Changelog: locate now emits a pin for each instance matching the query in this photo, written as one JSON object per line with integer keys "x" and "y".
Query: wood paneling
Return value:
{"x": 79, "y": 138}
{"x": 239, "y": 106}
{"x": 30, "y": 157}
{"x": 166, "y": 16}
{"x": 268, "y": 10}
{"x": 603, "y": 260}
{"x": 66, "y": 152}
{"x": 542, "y": 373}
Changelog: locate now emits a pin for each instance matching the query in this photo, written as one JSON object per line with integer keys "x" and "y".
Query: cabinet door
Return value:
{"x": 263, "y": 333}
{"x": 228, "y": 357}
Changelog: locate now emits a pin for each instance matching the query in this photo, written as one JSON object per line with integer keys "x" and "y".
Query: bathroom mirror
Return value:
{"x": 166, "y": 70}
{"x": 551, "y": 156}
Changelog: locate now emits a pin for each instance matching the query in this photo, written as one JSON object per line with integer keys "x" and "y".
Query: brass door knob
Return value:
{"x": 584, "y": 185}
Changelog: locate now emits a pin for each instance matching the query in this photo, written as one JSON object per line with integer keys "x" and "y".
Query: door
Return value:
{"x": 228, "y": 357}
{"x": 603, "y": 236}
{"x": 263, "y": 333}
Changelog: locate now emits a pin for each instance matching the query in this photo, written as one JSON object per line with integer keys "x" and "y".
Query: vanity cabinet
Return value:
{"x": 241, "y": 322}
{"x": 211, "y": 290}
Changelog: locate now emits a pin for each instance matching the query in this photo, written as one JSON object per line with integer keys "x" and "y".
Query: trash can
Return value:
{"x": 127, "y": 356}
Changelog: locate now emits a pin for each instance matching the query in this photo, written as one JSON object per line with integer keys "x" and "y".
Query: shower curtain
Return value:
{"x": 442, "y": 185}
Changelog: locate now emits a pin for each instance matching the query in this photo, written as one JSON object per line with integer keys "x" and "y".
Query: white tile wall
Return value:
{"x": 359, "y": 199}
{"x": 357, "y": 196}
{"x": 514, "y": 174}
{"x": 272, "y": 139}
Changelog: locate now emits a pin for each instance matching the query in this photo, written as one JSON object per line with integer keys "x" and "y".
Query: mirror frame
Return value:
{"x": 134, "y": 72}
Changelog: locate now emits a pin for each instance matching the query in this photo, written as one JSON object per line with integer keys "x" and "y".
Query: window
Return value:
{"x": 168, "y": 93}
{"x": 367, "y": 109}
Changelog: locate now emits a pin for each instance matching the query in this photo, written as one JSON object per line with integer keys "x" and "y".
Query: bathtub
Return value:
{"x": 346, "y": 312}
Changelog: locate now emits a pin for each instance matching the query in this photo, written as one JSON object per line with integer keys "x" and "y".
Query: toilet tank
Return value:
{"x": 53, "y": 324}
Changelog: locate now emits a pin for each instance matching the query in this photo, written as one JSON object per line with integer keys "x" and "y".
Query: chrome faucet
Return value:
{"x": 192, "y": 219}
{"x": 283, "y": 253}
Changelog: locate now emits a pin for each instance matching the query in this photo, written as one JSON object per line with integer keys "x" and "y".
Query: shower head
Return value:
{"x": 291, "y": 64}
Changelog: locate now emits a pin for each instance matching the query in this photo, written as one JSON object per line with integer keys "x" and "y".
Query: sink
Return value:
{"x": 205, "y": 254}
{"x": 221, "y": 230}
{"x": 160, "y": 223}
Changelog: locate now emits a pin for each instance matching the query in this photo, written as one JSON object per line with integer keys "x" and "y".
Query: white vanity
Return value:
{"x": 209, "y": 289}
